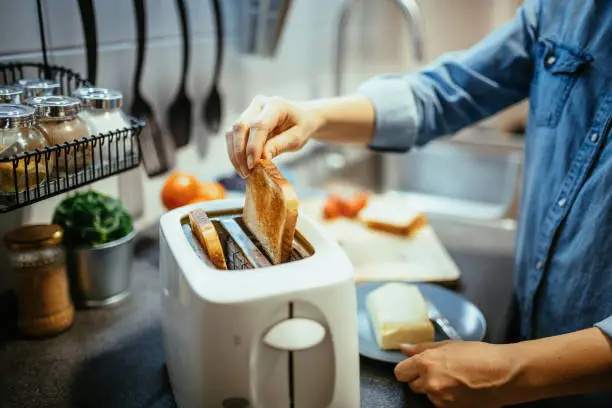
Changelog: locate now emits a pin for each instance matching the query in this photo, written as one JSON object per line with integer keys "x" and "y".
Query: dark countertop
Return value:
{"x": 114, "y": 357}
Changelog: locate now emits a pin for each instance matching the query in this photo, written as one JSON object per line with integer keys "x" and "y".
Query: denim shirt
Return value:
{"x": 559, "y": 54}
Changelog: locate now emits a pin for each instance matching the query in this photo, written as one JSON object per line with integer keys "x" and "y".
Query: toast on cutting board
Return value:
{"x": 271, "y": 210}
{"x": 393, "y": 218}
{"x": 207, "y": 236}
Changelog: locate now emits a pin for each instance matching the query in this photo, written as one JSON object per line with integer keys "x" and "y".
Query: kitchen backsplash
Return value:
{"x": 378, "y": 42}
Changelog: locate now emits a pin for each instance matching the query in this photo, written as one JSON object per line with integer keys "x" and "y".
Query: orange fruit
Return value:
{"x": 179, "y": 189}
{"x": 333, "y": 207}
{"x": 351, "y": 208}
{"x": 210, "y": 190}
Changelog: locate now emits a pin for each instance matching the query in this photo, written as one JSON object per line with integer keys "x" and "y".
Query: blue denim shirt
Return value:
{"x": 559, "y": 54}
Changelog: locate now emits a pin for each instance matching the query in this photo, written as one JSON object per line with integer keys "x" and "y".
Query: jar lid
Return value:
{"x": 55, "y": 106}
{"x": 34, "y": 84}
{"x": 14, "y": 116}
{"x": 99, "y": 98}
{"x": 34, "y": 236}
{"x": 10, "y": 94}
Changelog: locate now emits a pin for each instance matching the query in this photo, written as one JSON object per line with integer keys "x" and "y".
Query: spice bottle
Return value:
{"x": 18, "y": 135}
{"x": 58, "y": 119}
{"x": 11, "y": 94}
{"x": 103, "y": 114}
{"x": 38, "y": 262}
{"x": 39, "y": 87}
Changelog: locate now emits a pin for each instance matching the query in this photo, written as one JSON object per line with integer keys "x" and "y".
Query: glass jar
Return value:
{"x": 18, "y": 134}
{"x": 103, "y": 114}
{"x": 58, "y": 119}
{"x": 11, "y": 94}
{"x": 38, "y": 262}
{"x": 39, "y": 87}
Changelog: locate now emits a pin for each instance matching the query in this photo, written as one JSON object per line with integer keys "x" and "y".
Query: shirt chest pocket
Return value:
{"x": 557, "y": 70}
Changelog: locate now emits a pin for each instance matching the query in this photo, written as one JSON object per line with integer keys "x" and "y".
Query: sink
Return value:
{"x": 473, "y": 178}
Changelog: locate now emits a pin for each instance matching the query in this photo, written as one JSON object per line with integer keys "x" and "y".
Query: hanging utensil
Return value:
{"x": 43, "y": 41}
{"x": 213, "y": 106}
{"x": 158, "y": 151}
{"x": 179, "y": 113}
{"x": 88, "y": 18}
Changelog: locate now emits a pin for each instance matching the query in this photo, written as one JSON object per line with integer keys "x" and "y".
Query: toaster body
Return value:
{"x": 271, "y": 337}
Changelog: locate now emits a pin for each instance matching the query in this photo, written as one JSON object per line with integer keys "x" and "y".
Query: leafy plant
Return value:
{"x": 92, "y": 218}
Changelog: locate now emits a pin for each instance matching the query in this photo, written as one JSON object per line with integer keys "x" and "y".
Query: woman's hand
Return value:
{"x": 458, "y": 374}
{"x": 269, "y": 126}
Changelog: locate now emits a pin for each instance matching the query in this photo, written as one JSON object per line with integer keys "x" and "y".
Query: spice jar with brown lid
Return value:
{"x": 17, "y": 136}
{"x": 38, "y": 262}
{"x": 58, "y": 119}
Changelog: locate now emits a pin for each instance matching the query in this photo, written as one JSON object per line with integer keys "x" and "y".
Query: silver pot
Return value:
{"x": 102, "y": 275}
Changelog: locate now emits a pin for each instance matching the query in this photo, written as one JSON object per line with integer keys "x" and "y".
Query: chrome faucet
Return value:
{"x": 412, "y": 15}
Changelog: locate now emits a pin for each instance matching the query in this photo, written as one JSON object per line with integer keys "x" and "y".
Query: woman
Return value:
{"x": 557, "y": 53}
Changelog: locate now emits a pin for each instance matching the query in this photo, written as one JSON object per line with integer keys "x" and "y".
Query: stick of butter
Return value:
{"x": 398, "y": 313}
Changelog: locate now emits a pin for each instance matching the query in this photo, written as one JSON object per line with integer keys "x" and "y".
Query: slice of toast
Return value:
{"x": 206, "y": 234}
{"x": 393, "y": 217}
{"x": 271, "y": 210}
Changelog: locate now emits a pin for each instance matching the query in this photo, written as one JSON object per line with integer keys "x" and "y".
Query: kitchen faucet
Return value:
{"x": 412, "y": 15}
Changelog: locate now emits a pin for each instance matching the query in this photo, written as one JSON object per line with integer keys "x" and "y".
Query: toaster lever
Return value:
{"x": 295, "y": 334}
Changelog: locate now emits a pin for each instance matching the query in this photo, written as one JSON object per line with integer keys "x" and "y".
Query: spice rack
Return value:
{"x": 36, "y": 175}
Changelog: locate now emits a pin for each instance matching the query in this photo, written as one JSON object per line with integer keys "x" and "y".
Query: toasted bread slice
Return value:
{"x": 271, "y": 210}
{"x": 207, "y": 236}
{"x": 393, "y": 218}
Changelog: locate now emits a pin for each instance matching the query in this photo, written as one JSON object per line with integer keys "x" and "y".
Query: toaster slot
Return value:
{"x": 240, "y": 247}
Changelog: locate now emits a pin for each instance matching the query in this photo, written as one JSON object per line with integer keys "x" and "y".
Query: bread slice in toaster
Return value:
{"x": 271, "y": 210}
{"x": 206, "y": 234}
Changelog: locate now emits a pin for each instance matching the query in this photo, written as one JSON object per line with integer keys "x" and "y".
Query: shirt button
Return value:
{"x": 594, "y": 137}
{"x": 551, "y": 60}
{"x": 539, "y": 265}
{"x": 562, "y": 202}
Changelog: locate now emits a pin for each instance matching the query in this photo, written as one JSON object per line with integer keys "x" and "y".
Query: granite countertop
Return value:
{"x": 114, "y": 357}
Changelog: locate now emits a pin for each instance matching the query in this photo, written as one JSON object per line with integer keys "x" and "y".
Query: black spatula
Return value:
{"x": 179, "y": 113}
{"x": 213, "y": 108}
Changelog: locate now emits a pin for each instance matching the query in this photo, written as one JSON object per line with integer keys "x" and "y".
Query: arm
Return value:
{"x": 480, "y": 374}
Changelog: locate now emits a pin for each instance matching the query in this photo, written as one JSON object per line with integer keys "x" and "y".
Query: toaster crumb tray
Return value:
{"x": 241, "y": 249}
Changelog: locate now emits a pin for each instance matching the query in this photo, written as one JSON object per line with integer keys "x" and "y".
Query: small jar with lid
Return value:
{"x": 59, "y": 121}
{"x": 18, "y": 134}
{"x": 38, "y": 262}
{"x": 103, "y": 114}
{"x": 39, "y": 87}
{"x": 11, "y": 94}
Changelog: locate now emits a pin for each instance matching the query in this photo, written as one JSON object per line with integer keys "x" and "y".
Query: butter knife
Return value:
{"x": 442, "y": 322}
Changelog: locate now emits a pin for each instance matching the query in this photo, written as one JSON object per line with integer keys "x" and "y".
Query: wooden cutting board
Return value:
{"x": 379, "y": 256}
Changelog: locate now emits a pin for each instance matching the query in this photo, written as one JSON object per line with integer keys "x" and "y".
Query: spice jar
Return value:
{"x": 18, "y": 135}
{"x": 103, "y": 114}
{"x": 38, "y": 262}
{"x": 11, "y": 94}
{"x": 39, "y": 87}
{"x": 59, "y": 121}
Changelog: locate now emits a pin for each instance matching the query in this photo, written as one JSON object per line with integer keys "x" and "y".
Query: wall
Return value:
{"x": 378, "y": 42}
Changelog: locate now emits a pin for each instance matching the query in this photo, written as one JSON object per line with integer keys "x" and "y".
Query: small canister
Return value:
{"x": 58, "y": 119}
{"x": 39, "y": 87}
{"x": 11, "y": 94}
{"x": 103, "y": 114}
{"x": 38, "y": 262}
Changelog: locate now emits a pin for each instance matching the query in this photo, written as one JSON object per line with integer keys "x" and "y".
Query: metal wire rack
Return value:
{"x": 31, "y": 177}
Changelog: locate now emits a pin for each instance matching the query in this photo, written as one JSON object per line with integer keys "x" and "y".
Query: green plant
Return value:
{"x": 91, "y": 218}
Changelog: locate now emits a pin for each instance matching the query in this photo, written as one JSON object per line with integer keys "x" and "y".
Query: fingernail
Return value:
{"x": 250, "y": 162}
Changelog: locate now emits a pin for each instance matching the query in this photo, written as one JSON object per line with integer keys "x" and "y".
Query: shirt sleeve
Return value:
{"x": 606, "y": 326}
{"x": 458, "y": 89}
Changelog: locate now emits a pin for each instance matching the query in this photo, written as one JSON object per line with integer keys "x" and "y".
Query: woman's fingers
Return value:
{"x": 418, "y": 386}
{"x": 268, "y": 118}
{"x": 408, "y": 370}
{"x": 289, "y": 141}
{"x": 240, "y": 134}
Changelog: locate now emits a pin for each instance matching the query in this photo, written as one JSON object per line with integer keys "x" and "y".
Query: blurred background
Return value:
{"x": 476, "y": 173}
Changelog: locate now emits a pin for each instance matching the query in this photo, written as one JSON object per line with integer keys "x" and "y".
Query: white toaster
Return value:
{"x": 273, "y": 336}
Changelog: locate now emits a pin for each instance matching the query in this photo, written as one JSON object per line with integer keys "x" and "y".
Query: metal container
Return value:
{"x": 102, "y": 275}
{"x": 11, "y": 94}
{"x": 262, "y": 23}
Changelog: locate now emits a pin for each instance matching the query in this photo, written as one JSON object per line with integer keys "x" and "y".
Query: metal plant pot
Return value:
{"x": 102, "y": 275}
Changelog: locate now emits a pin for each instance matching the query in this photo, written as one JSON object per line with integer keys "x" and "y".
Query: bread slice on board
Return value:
{"x": 271, "y": 210}
{"x": 206, "y": 234}
{"x": 393, "y": 217}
